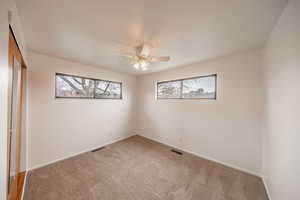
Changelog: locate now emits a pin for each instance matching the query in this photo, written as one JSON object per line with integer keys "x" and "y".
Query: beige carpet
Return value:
{"x": 141, "y": 169}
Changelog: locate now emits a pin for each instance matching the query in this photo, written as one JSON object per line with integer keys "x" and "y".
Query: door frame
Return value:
{"x": 13, "y": 193}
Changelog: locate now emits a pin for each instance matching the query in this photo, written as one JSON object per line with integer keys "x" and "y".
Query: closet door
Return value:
{"x": 14, "y": 114}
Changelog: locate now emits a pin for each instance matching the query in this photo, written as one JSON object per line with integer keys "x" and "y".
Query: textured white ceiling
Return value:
{"x": 92, "y": 31}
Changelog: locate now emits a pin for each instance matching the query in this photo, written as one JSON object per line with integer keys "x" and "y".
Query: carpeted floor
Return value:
{"x": 141, "y": 169}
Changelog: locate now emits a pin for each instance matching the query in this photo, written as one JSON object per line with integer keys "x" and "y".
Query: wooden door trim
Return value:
{"x": 21, "y": 183}
{"x": 23, "y": 64}
{"x": 15, "y": 53}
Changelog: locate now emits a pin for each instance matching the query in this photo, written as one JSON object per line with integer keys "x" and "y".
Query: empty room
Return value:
{"x": 149, "y": 100}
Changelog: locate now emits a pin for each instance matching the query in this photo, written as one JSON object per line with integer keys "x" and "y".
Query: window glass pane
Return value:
{"x": 169, "y": 90}
{"x": 200, "y": 88}
{"x": 108, "y": 90}
{"x": 72, "y": 86}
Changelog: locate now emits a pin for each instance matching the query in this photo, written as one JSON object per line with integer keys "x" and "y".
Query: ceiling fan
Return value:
{"x": 142, "y": 58}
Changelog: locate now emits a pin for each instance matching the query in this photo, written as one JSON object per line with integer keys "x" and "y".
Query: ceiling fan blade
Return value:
{"x": 160, "y": 59}
{"x": 145, "y": 50}
{"x": 128, "y": 52}
{"x": 131, "y": 62}
{"x": 127, "y": 55}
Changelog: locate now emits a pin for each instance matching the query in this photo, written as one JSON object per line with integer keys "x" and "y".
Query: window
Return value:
{"x": 69, "y": 86}
{"x": 202, "y": 87}
{"x": 169, "y": 90}
{"x": 107, "y": 90}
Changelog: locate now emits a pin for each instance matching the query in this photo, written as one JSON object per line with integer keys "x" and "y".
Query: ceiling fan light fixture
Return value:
{"x": 141, "y": 65}
{"x": 136, "y": 65}
{"x": 144, "y": 64}
{"x": 143, "y": 59}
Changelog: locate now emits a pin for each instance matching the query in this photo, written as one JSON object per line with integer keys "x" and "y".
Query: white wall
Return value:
{"x": 5, "y": 7}
{"x": 281, "y": 160}
{"x": 3, "y": 95}
{"x": 60, "y": 128}
{"x": 228, "y": 129}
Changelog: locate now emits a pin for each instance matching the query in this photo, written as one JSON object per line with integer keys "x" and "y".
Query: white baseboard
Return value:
{"x": 150, "y": 138}
{"x": 119, "y": 139}
{"x": 78, "y": 153}
{"x": 205, "y": 157}
{"x": 266, "y": 187}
